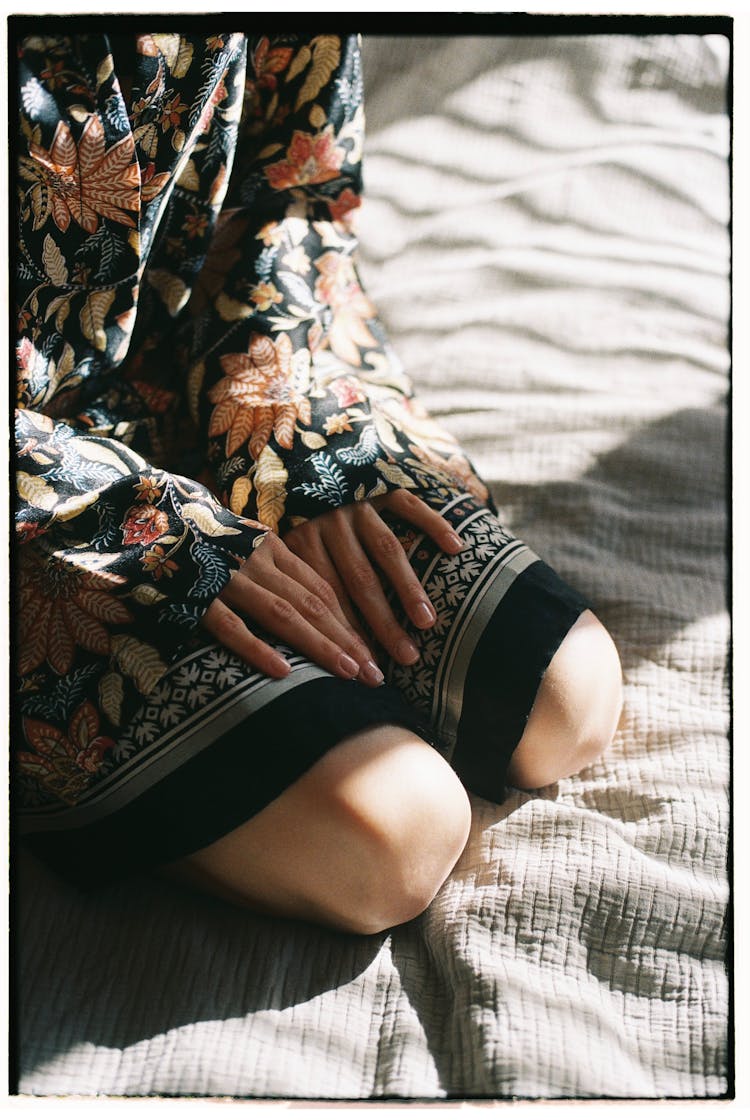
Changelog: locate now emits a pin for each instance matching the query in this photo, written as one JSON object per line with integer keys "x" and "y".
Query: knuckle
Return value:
{"x": 362, "y": 577}
{"x": 281, "y": 609}
{"x": 388, "y": 545}
{"x": 324, "y": 592}
{"x": 313, "y": 606}
{"x": 230, "y": 626}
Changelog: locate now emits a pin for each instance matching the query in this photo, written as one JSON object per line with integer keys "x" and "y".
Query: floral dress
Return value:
{"x": 198, "y": 365}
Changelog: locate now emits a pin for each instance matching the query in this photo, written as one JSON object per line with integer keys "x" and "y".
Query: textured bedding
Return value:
{"x": 545, "y": 235}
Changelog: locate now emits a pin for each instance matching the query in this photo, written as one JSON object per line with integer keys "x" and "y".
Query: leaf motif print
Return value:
{"x": 75, "y": 505}
{"x": 105, "y": 248}
{"x": 222, "y": 418}
{"x": 299, "y": 62}
{"x": 59, "y": 701}
{"x": 393, "y": 473}
{"x": 298, "y": 289}
{"x": 54, "y": 262}
{"x": 104, "y": 606}
{"x": 111, "y": 696}
{"x": 202, "y": 517}
{"x": 196, "y": 377}
{"x": 264, "y": 420}
{"x": 242, "y": 427}
{"x": 232, "y": 310}
{"x": 167, "y": 43}
{"x": 242, "y": 488}
{"x": 313, "y": 440}
{"x": 43, "y": 737}
{"x": 88, "y": 631}
{"x": 386, "y": 432}
{"x": 84, "y": 725}
{"x": 184, "y": 59}
{"x": 213, "y": 571}
{"x": 271, "y": 477}
{"x": 93, "y": 315}
{"x": 104, "y": 69}
{"x": 173, "y": 291}
{"x": 139, "y": 661}
{"x": 98, "y": 452}
{"x": 365, "y": 450}
{"x": 147, "y": 594}
{"x": 286, "y": 418}
{"x": 36, "y": 491}
{"x": 59, "y": 307}
{"x": 33, "y": 637}
{"x": 332, "y": 486}
{"x": 60, "y": 644}
{"x": 39, "y": 421}
{"x": 326, "y": 54}
{"x": 317, "y": 116}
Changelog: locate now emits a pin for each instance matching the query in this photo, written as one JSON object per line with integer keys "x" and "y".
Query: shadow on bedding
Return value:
{"x": 161, "y": 957}
{"x": 643, "y": 533}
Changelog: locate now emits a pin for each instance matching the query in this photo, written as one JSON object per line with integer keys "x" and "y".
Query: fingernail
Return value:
{"x": 406, "y": 652}
{"x": 348, "y": 665}
{"x": 423, "y": 614}
{"x": 370, "y": 674}
{"x": 281, "y": 666}
{"x": 454, "y": 540}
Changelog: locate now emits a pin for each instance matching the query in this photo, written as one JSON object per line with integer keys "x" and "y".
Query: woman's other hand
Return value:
{"x": 286, "y": 597}
{"x": 347, "y": 545}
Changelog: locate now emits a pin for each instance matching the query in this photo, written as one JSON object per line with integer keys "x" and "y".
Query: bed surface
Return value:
{"x": 545, "y": 236}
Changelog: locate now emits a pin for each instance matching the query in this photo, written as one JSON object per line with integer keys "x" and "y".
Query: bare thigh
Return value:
{"x": 362, "y": 841}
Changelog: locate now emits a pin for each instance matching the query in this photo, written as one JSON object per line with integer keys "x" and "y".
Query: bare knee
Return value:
{"x": 363, "y": 841}
{"x": 409, "y": 828}
{"x": 576, "y": 710}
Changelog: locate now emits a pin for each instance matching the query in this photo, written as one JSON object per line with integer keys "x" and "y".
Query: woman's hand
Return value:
{"x": 280, "y": 592}
{"x": 342, "y": 546}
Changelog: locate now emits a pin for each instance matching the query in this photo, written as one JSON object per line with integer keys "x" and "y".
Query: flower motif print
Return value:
{"x": 343, "y": 205}
{"x": 258, "y": 396}
{"x": 158, "y": 563}
{"x": 347, "y": 391}
{"x": 65, "y": 762}
{"x": 338, "y": 286}
{"x": 267, "y": 63}
{"x": 63, "y": 606}
{"x": 309, "y": 159}
{"x": 82, "y": 181}
{"x": 144, "y": 524}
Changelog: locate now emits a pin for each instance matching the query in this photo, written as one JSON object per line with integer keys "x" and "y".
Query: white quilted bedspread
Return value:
{"x": 545, "y": 235}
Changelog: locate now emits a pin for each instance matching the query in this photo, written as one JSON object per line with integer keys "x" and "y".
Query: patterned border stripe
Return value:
{"x": 465, "y": 591}
{"x": 192, "y": 732}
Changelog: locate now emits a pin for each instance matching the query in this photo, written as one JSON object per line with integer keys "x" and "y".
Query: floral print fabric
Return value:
{"x": 198, "y": 363}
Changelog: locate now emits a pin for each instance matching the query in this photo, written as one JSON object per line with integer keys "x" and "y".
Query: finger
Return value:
{"x": 314, "y": 599}
{"x": 313, "y": 552}
{"x": 364, "y": 586}
{"x": 231, "y": 631}
{"x": 315, "y": 603}
{"x": 281, "y": 615}
{"x": 330, "y": 617}
{"x": 410, "y": 507}
{"x": 384, "y": 547}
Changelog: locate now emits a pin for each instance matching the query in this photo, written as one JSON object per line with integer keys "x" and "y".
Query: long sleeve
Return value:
{"x": 118, "y": 558}
{"x": 292, "y": 376}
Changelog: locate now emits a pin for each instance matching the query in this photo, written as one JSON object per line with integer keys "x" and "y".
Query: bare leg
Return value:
{"x": 576, "y": 710}
{"x": 361, "y": 841}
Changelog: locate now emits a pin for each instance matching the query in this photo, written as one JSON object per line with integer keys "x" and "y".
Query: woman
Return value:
{"x": 235, "y": 518}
